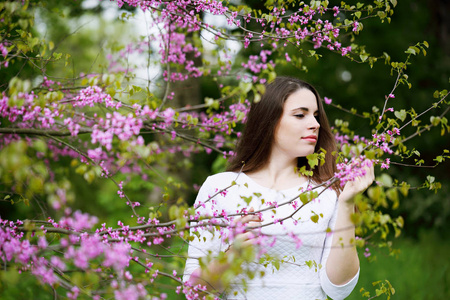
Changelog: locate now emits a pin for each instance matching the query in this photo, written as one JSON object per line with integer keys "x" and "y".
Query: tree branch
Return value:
{"x": 41, "y": 132}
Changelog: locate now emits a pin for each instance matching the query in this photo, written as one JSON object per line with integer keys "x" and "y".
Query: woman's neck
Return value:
{"x": 278, "y": 175}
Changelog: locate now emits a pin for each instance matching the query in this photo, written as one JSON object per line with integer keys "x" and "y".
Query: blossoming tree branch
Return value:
{"x": 104, "y": 126}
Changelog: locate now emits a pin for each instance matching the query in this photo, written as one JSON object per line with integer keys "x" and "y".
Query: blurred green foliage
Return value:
{"x": 421, "y": 271}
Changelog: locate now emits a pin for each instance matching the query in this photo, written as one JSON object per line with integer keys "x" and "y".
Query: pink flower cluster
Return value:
{"x": 14, "y": 248}
{"x": 11, "y": 244}
{"x": 93, "y": 247}
{"x": 77, "y": 222}
{"x": 115, "y": 124}
{"x": 349, "y": 171}
{"x": 94, "y": 94}
{"x": 382, "y": 141}
{"x": 20, "y": 107}
{"x": 4, "y": 52}
{"x": 183, "y": 15}
{"x": 130, "y": 292}
{"x": 81, "y": 250}
{"x": 255, "y": 66}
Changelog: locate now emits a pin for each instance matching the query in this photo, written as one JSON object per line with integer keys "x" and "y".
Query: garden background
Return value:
{"x": 111, "y": 40}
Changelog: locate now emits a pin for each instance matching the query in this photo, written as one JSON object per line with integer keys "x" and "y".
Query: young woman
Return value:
{"x": 313, "y": 241}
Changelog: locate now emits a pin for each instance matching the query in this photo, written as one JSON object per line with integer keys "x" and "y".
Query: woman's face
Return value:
{"x": 297, "y": 132}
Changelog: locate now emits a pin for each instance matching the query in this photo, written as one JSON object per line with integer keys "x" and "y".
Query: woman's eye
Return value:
{"x": 299, "y": 116}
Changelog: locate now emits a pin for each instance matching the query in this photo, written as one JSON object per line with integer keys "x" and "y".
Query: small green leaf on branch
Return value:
{"x": 401, "y": 114}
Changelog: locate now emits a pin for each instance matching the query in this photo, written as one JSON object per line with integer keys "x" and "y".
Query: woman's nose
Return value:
{"x": 314, "y": 123}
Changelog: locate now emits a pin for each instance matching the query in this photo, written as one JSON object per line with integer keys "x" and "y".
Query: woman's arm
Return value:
{"x": 343, "y": 264}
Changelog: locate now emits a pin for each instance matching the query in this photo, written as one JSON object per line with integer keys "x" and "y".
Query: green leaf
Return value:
{"x": 401, "y": 114}
{"x": 57, "y": 56}
{"x": 247, "y": 199}
{"x": 374, "y": 193}
{"x": 392, "y": 195}
{"x": 355, "y": 218}
{"x": 245, "y": 87}
{"x": 313, "y": 160}
{"x": 276, "y": 264}
{"x": 304, "y": 198}
{"x": 173, "y": 212}
{"x": 435, "y": 120}
{"x": 385, "y": 179}
{"x": 381, "y": 14}
{"x": 411, "y": 50}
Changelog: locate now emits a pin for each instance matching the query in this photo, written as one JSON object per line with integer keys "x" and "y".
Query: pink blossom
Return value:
{"x": 58, "y": 263}
{"x": 345, "y": 50}
{"x": 336, "y": 11}
{"x": 42, "y": 242}
{"x": 73, "y": 294}
{"x": 288, "y": 59}
{"x": 349, "y": 171}
{"x": 168, "y": 115}
{"x": 117, "y": 256}
{"x": 44, "y": 273}
{"x": 386, "y": 164}
{"x": 91, "y": 95}
{"x": 132, "y": 292}
{"x": 78, "y": 221}
{"x": 3, "y": 49}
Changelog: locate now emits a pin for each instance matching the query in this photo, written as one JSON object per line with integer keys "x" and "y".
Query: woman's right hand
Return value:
{"x": 208, "y": 276}
{"x": 249, "y": 236}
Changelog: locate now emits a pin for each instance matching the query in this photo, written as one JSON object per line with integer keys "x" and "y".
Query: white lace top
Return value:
{"x": 302, "y": 244}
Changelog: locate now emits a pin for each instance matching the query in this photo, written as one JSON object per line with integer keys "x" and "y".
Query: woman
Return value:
{"x": 312, "y": 240}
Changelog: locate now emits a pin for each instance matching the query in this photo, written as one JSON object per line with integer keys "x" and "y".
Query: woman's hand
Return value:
{"x": 343, "y": 263}
{"x": 360, "y": 183}
{"x": 248, "y": 237}
{"x": 211, "y": 276}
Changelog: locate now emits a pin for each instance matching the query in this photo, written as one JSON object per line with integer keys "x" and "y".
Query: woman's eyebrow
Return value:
{"x": 301, "y": 108}
{"x": 305, "y": 109}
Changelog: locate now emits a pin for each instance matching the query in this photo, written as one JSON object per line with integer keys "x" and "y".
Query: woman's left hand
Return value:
{"x": 360, "y": 183}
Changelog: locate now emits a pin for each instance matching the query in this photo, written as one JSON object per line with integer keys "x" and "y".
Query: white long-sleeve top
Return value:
{"x": 302, "y": 244}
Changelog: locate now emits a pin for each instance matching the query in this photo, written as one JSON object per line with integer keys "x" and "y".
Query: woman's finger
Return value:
{"x": 253, "y": 225}
{"x": 247, "y": 218}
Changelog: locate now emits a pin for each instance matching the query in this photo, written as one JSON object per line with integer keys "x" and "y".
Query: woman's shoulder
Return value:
{"x": 217, "y": 185}
{"x": 223, "y": 179}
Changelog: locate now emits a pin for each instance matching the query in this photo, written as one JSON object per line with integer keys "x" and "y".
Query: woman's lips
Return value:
{"x": 310, "y": 138}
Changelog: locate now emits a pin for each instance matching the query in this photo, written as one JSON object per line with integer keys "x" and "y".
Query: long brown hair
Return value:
{"x": 255, "y": 144}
